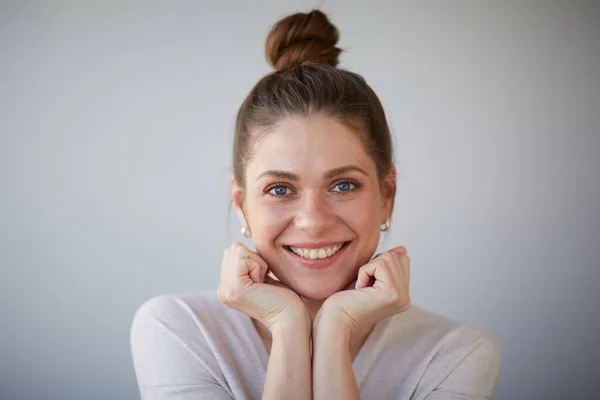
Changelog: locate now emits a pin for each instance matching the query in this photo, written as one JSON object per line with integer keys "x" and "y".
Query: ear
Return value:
{"x": 388, "y": 194}
{"x": 237, "y": 196}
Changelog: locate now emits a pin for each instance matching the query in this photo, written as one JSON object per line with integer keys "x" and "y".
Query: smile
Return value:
{"x": 316, "y": 253}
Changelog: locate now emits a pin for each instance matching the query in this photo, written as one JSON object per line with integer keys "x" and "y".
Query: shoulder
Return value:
{"x": 196, "y": 317}
{"x": 194, "y": 344}
{"x": 422, "y": 324}
{"x": 454, "y": 356}
{"x": 169, "y": 307}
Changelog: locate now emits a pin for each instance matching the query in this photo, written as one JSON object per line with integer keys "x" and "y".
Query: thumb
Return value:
{"x": 255, "y": 270}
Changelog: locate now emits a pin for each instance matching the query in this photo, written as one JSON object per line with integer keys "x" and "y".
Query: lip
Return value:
{"x": 317, "y": 263}
{"x": 316, "y": 245}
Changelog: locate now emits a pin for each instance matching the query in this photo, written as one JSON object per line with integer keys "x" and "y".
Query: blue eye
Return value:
{"x": 279, "y": 190}
{"x": 343, "y": 187}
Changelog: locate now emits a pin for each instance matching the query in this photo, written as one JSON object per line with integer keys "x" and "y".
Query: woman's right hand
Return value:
{"x": 246, "y": 287}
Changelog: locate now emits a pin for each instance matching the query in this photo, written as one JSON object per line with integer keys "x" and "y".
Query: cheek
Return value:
{"x": 267, "y": 221}
{"x": 363, "y": 215}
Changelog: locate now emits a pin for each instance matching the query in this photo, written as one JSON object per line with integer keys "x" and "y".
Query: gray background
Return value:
{"x": 116, "y": 124}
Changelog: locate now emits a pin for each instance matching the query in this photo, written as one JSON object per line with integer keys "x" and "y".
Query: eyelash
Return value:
{"x": 287, "y": 186}
{"x": 355, "y": 184}
{"x": 276, "y": 185}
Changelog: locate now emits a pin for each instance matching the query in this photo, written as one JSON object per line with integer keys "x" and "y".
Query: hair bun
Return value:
{"x": 301, "y": 38}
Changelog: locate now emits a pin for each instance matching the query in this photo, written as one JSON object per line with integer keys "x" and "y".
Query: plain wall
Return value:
{"x": 116, "y": 123}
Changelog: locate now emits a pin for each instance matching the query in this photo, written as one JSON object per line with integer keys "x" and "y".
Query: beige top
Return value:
{"x": 193, "y": 347}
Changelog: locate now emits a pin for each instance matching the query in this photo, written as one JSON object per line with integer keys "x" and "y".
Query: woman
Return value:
{"x": 311, "y": 313}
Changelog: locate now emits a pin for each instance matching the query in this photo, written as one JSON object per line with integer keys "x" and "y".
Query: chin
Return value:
{"x": 316, "y": 292}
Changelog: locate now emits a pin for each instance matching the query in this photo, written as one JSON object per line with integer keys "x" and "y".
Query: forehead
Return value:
{"x": 308, "y": 145}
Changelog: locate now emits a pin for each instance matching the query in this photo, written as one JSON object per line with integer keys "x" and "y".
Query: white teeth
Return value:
{"x": 313, "y": 254}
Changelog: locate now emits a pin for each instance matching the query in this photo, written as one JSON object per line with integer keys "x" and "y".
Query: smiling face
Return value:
{"x": 314, "y": 204}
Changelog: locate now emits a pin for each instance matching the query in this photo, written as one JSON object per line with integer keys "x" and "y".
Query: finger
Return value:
{"x": 406, "y": 270}
{"x": 399, "y": 266}
{"x": 235, "y": 266}
{"x": 362, "y": 279}
{"x": 364, "y": 282}
{"x": 244, "y": 252}
{"x": 400, "y": 271}
{"x": 258, "y": 265}
{"x": 365, "y": 274}
{"x": 400, "y": 250}
{"x": 254, "y": 270}
{"x": 228, "y": 266}
{"x": 262, "y": 263}
{"x": 231, "y": 268}
{"x": 378, "y": 270}
{"x": 263, "y": 268}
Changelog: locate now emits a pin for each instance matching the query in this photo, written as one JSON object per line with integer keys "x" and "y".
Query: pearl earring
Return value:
{"x": 246, "y": 232}
{"x": 385, "y": 227}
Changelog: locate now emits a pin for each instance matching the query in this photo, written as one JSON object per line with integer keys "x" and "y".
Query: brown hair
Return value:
{"x": 302, "y": 49}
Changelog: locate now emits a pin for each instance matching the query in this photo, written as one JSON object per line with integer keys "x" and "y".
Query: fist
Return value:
{"x": 381, "y": 290}
{"x": 246, "y": 287}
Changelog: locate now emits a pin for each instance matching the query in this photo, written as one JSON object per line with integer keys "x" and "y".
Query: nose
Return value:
{"x": 314, "y": 214}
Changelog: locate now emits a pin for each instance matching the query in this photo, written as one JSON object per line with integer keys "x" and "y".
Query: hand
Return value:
{"x": 246, "y": 287}
{"x": 381, "y": 290}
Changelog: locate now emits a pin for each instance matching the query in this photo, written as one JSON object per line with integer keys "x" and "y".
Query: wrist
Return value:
{"x": 331, "y": 317}
{"x": 329, "y": 324}
{"x": 292, "y": 322}
{"x": 331, "y": 341}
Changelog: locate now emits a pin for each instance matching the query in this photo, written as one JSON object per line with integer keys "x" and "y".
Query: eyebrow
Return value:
{"x": 327, "y": 175}
{"x": 342, "y": 170}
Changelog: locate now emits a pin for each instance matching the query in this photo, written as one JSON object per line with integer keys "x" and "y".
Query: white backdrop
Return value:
{"x": 116, "y": 123}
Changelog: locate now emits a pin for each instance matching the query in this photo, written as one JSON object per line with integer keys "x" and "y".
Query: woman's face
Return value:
{"x": 313, "y": 204}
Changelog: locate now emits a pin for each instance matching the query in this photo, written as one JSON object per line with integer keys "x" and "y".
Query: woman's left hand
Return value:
{"x": 368, "y": 303}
